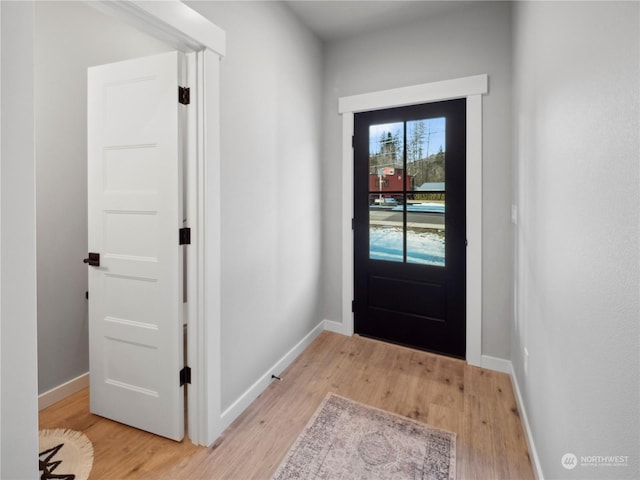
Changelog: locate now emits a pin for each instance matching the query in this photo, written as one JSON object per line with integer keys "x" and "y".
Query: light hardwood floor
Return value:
{"x": 477, "y": 404}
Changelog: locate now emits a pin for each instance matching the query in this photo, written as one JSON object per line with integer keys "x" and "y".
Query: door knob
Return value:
{"x": 93, "y": 260}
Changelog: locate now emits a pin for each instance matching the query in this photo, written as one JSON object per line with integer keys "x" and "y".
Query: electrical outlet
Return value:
{"x": 526, "y": 361}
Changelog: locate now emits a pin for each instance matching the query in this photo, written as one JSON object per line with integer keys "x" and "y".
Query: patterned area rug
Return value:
{"x": 64, "y": 454}
{"x": 348, "y": 440}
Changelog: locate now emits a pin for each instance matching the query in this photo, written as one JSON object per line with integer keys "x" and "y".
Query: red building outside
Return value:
{"x": 390, "y": 179}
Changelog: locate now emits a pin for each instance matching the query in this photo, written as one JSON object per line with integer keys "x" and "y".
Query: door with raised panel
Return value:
{"x": 409, "y": 226}
{"x": 135, "y": 213}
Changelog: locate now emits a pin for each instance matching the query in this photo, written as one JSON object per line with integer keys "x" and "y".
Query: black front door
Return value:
{"x": 409, "y": 226}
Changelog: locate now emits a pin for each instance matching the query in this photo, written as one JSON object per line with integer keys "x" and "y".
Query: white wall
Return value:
{"x": 0, "y": 236}
{"x": 19, "y": 435}
{"x": 69, "y": 37}
{"x": 467, "y": 41}
{"x": 271, "y": 195}
{"x": 577, "y": 182}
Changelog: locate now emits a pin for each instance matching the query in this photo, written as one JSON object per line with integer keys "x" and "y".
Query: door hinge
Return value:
{"x": 93, "y": 259}
{"x": 353, "y": 141}
{"x": 184, "y": 95}
{"x": 184, "y": 236}
{"x": 353, "y": 224}
{"x": 86, "y": 294}
{"x": 185, "y": 376}
{"x": 353, "y": 306}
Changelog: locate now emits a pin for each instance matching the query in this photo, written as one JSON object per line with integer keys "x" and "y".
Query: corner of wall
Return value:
{"x": 533, "y": 453}
{"x": 260, "y": 385}
{"x": 333, "y": 326}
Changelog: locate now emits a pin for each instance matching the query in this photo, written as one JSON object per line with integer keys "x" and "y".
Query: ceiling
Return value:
{"x": 334, "y": 19}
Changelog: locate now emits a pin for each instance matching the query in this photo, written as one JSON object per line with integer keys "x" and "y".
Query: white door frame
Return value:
{"x": 471, "y": 88}
{"x": 188, "y": 31}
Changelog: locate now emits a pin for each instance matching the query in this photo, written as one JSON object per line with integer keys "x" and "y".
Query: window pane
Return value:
{"x": 426, "y": 149}
{"x": 385, "y": 229}
{"x": 386, "y": 150}
{"x": 426, "y": 153}
{"x": 426, "y": 233}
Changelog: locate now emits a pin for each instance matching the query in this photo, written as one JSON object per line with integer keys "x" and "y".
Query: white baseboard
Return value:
{"x": 533, "y": 453}
{"x": 56, "y": 394}
{"x": 231, "y": 413}
{"x": 488, "y": 362}
{"x": 506, "y": 366}
{"x": 333, "y": 326}
{"x": 495, "y": 363}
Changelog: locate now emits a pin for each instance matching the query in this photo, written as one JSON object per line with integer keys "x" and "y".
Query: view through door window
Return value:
{"x": 407, "y": 191}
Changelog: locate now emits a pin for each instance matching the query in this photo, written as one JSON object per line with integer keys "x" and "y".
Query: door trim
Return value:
{"x": 170, "y": 21}
{"x": 472, "y": 88}
{"x": 188, "y": 31}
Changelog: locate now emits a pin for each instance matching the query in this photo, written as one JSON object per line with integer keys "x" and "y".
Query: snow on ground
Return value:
{"x": 423, "y": 246}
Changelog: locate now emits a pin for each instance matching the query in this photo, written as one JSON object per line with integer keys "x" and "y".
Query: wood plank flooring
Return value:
{"x": 477, "y": 404}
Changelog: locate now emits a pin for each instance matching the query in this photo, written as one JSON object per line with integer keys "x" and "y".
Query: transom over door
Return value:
{"x": 410, "y": 226}
{"x": 135, "y": 212}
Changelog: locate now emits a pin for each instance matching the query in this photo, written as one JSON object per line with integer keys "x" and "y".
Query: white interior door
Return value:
{"x": 135, "y": 212}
